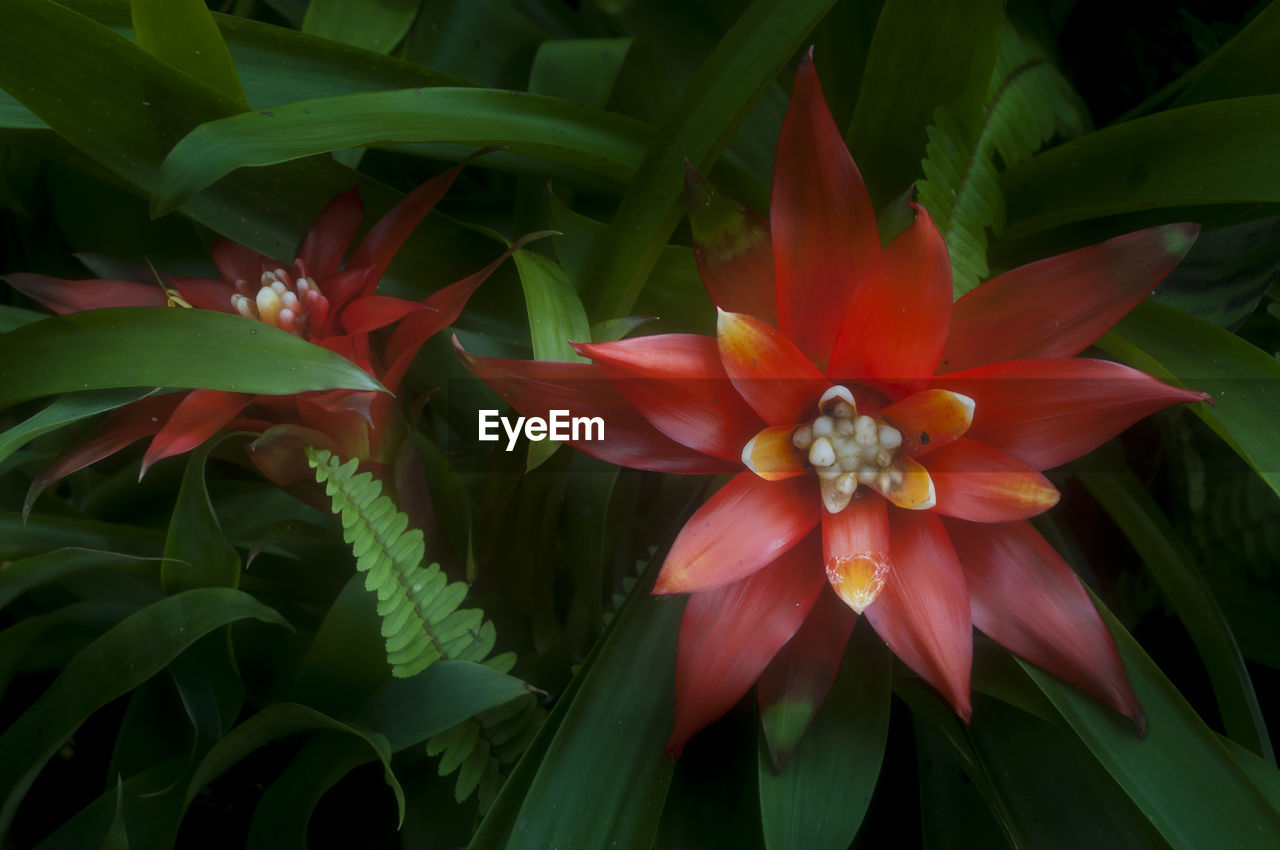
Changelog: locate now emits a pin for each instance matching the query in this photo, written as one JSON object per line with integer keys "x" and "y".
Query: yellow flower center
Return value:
{"x": 290, "y": 302}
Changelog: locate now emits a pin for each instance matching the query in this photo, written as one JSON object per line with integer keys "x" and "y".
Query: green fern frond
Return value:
{"x": 1028, "y": 102}
{"x": 422, "y": 624}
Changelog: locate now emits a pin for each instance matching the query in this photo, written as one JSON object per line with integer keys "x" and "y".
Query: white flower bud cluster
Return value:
{"x": 846, "y": 449}
{"x": 291, "y": 302}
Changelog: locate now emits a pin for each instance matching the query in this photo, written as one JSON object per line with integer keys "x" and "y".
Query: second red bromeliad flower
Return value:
{"x": 892, "y": 441}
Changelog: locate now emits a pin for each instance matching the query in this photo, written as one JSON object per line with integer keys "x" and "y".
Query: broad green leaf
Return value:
{"x": 117, "y": 837}
{"x": 821, "y": 797}
{"x": 1226, "y": 273}
{"x": 1213, "y": 153}
{"x": 92, "y": 103}
{"x": 409, "y": 711}
{"x": 611, "y": 740}
{"x": 556, "y": 318}
{"x": 490, "y": 42}
{"x": 612, "y": 330}
{"x": 38, "y": 534}
{"x": 12, "y": 318}
{"x": 901, "y": 88}
{"x": 347, "y": 658}
{"x": 183, "y": 34}
{"x": 621, "y": 74}
{"x": 1245, "y": 65}
{"x": 374, "y": 26}
{"x": 276, "y": 721}
{"x": 1244, "y": 381}
{"x": 86, "y": 617}
{"x": 120, "y": 660}
{"x": 20, "y": 576}
{"x": 1181, "y": 776}
{"x": 63, "y": 411}
{"x": 1123, "y": 497}
{"x": 88, "y": 825}
{"x": 599, "y": 143}
{"x": 196, "y": 553}
{"x": 163, "y": 347}
{"x": 720, "y": 95}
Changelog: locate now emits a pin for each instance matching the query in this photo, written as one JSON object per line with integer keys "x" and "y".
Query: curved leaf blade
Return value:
{"x": 64, "y": 411}
{"x": 166, "y": 347}
{"x": 183, "y": 34}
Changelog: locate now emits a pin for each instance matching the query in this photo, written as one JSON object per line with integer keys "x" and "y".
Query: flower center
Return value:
{"x": 291, "y": 302}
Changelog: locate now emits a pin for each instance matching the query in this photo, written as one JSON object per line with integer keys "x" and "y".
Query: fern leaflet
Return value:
{"x": 1028, "y": 102}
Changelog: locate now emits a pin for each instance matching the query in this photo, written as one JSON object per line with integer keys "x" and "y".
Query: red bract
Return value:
{"x": 892, "y": 440}
{"x": 316, "y": 298}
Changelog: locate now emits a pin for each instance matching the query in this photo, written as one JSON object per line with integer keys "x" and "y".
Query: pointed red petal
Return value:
{"x": 979, "y": 483}
{"x": 385, "y": 238}
{"x": 1026, "y": 598}
{"x": 768, "y": 370}
{"x": 236, "y": 262}
{"x": 929, "y": 420}
{"x": 824, "y": 228}
{"x": 197, "y": 418}
{"x": 745, "y": 525}
{"x": 856, "y": 549}
{"x": 535, "y": 388}
{"x": 732, "y": 249}
{"x": 1047, "y": 412}
{"x": 897, "y": 321}
{"x": 728, "y": 635}
{"x": 206, "y": 293}
{"x": 327, "y": 240}
{"x": 72, "y": 296}
{"x": 1059, "y": 306}
{"x": 439, "y": 310}
{"x": 923, "y": 613}
{"x": 678, "y": 383}
{"x": 120, "y": 428}
{"x": 795, "y": 684}
{"x": 341, "y": 289}
{"x": 376, "y": 311}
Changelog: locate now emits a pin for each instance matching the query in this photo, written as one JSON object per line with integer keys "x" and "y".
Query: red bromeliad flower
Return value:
{"x": 892, "y": 440}
{"x": 316, "y": 298}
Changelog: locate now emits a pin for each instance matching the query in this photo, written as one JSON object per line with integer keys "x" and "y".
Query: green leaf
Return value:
{"x": 1158, "y": 543}
{"x": 1245, "y": 65}
{"x": 821, "y": 797}
{"x": 1225, "y": 275}
{"x": 556, "y": 318}
{"x": 1213, "y": 153}
{"x": 63, "y": 411}
{"x": 276, "y": 721}
{"x": 23, "y": 575}
{"x": 1180, "y": 775}
{"x": 86, "y": 618}
{"x": 196, "y": 553}
{"x": 166, "y": 347}
{"x": 1243, "y": 380}
{"x": 545, "y": 128}
{"x": 622, "y": 74}
{"x": 718, "y": 98}
{"x": 346, "y": 659}
{"x": 490, "y": 42}
{"x": 611, "y": 740}
{"x": 12, "y": 318}
{"x": 120, "y": 660}
{"x": 38, "y": 534}
{"x": 901, "y": 88}
{"x": 183, "y": 34}
{"x": 117, "y": 837}
{"x": 374, "y": 26}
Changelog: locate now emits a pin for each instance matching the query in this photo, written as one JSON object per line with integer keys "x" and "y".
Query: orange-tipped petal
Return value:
{"x": 206, "y": 293}
{"x": 823, "y": 224}
{"x": 745, "y": 525}
{"x": 929, "y": 420}
{"x": 535, "y": 388}
{"x": 982, "y": 484}
{"x": 772, "y": 453}
{"x": 236, "y": 262}
{"x": 197, "y": 418}
{"x": 855, "y": 550}
{"x": 327, "y": 240}
{"x": 795, "y": 684}
{"x": 1059, "y": 306}
{"x": 731, "y": 246}
{"x": 923, "y": 612}
{"x": 677, "y": 382}
{"x": 896, "y": 323}
{"x": 728, "y": 636}
{"x": 384, "y": 239}
{"x": 768, "y": 370}
{"x": 72, "y": 296}
{"x": 119, "y": 429}
{"x": 1026, "y": 598}
{"x": 1048, "y": 412}
{"x": 915, "y": 490}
